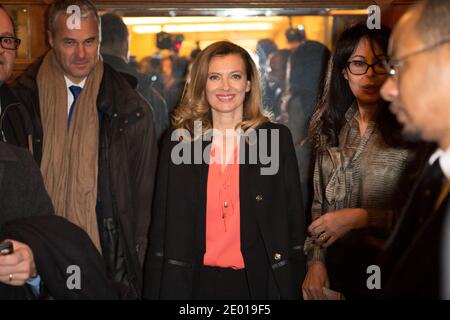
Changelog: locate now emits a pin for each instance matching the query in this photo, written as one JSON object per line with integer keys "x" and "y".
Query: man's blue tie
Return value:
{"x": 76, "y": 90}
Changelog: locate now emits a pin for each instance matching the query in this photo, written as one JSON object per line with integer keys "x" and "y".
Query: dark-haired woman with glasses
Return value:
{"x": 362, "y": 169}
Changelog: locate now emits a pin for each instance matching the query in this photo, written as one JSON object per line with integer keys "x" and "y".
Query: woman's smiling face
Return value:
{"x": 227, "y": 84}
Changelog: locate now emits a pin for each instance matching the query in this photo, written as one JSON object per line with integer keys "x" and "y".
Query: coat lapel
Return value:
{"x": 2, "y": 170}
{"x": 199, "y": 202}
{"x": 249, "y": 183}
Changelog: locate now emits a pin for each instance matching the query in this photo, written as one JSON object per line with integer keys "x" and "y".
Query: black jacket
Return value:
{"x": 127, "y": 163}
{"x": 63, "y": 253}
{"x": 27, "y": 215}
{"x": 411, "y": 263}
{"x": 15, "y": 124}
{"x": 22, "y": 190}
{"x": 22, "y": 195}
{"x": 272, "y": 225}
{"x": 144, "y": 85}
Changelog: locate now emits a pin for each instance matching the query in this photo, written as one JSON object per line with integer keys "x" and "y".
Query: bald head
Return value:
{"x": 427, "y": 21}
{"x": 2, "y": 8}
{"x": 433, "y": 21}
{"x": 399, "y": 35}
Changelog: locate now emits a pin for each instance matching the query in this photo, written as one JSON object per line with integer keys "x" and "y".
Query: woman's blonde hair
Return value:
{"x": 194, "y": 105}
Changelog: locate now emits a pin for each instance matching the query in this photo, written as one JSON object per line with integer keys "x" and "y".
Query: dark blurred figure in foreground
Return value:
{"x": 418, "y": 89}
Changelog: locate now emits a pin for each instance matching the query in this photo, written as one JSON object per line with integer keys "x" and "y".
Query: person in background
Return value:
{"x": 264, "y": 47}
{"x": 305, "y": 70}
{"x": 295, "y": 36}
{"x": 151, "y": 67}
{"x": 275, "y": 84}
{"x": 172, "y": 84}
{"x": 115, "y": 52}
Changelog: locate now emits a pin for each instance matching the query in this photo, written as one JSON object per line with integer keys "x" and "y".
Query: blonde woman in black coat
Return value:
{"x": 229, "y": 221}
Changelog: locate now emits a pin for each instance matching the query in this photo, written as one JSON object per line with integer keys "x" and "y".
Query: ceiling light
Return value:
{"x": 204, "y": 27}
{"x": 131, "y": 21}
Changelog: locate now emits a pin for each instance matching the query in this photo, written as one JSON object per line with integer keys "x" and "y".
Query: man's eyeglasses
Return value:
{"x": 392, "y": 64}
{"x": 359, "y": 68}
{"x": 9, "y": 43}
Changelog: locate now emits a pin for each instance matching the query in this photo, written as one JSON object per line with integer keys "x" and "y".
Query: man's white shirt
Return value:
{"x": 69, "y": 94}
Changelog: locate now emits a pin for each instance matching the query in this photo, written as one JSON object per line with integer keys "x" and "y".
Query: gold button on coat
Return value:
{"x": 259, "y": 198}
{"x": 277, "y": 256}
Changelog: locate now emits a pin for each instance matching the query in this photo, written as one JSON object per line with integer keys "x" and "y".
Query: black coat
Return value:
{"x": 22, "y": 190}
{"x": 411, "y": 261}
{"x": 272, "y": 225}
{"x": 22, "y": 195}
{"x": 27, "y": 215}
{"x": 61, "y": 251}
{"x": 127, "y": 164}
{"x": 15, "y": 124}
{"x": 144, "y": 85}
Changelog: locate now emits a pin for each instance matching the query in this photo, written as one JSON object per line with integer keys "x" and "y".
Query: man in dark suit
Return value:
{"x": 419, "y": 69}
{"x": 94, "y": 140}
{"x": 36, "y": 267}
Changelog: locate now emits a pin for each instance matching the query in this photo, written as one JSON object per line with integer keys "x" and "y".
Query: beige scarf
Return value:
{"x": 70, "y": 156}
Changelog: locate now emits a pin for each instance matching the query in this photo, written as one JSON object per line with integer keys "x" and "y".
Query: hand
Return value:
{"x": 316, "y": 278}
{"x": 333, "y": 225}
{"x": 17, "y": 267}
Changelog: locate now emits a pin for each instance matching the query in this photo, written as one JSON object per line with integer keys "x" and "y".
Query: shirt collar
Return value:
{"x": 443, "y": 156}
{"x": 70, "y": 83}
{"x": 351, "y": 112}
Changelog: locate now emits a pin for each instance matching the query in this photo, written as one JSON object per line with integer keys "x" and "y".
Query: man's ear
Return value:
{"x": 50, "y": 38}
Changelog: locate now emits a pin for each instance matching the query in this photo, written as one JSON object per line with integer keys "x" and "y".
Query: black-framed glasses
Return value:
{"x": 359, "y": 68}
{"x": 392, "y": 64}
{"x": 9, "y": 43}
